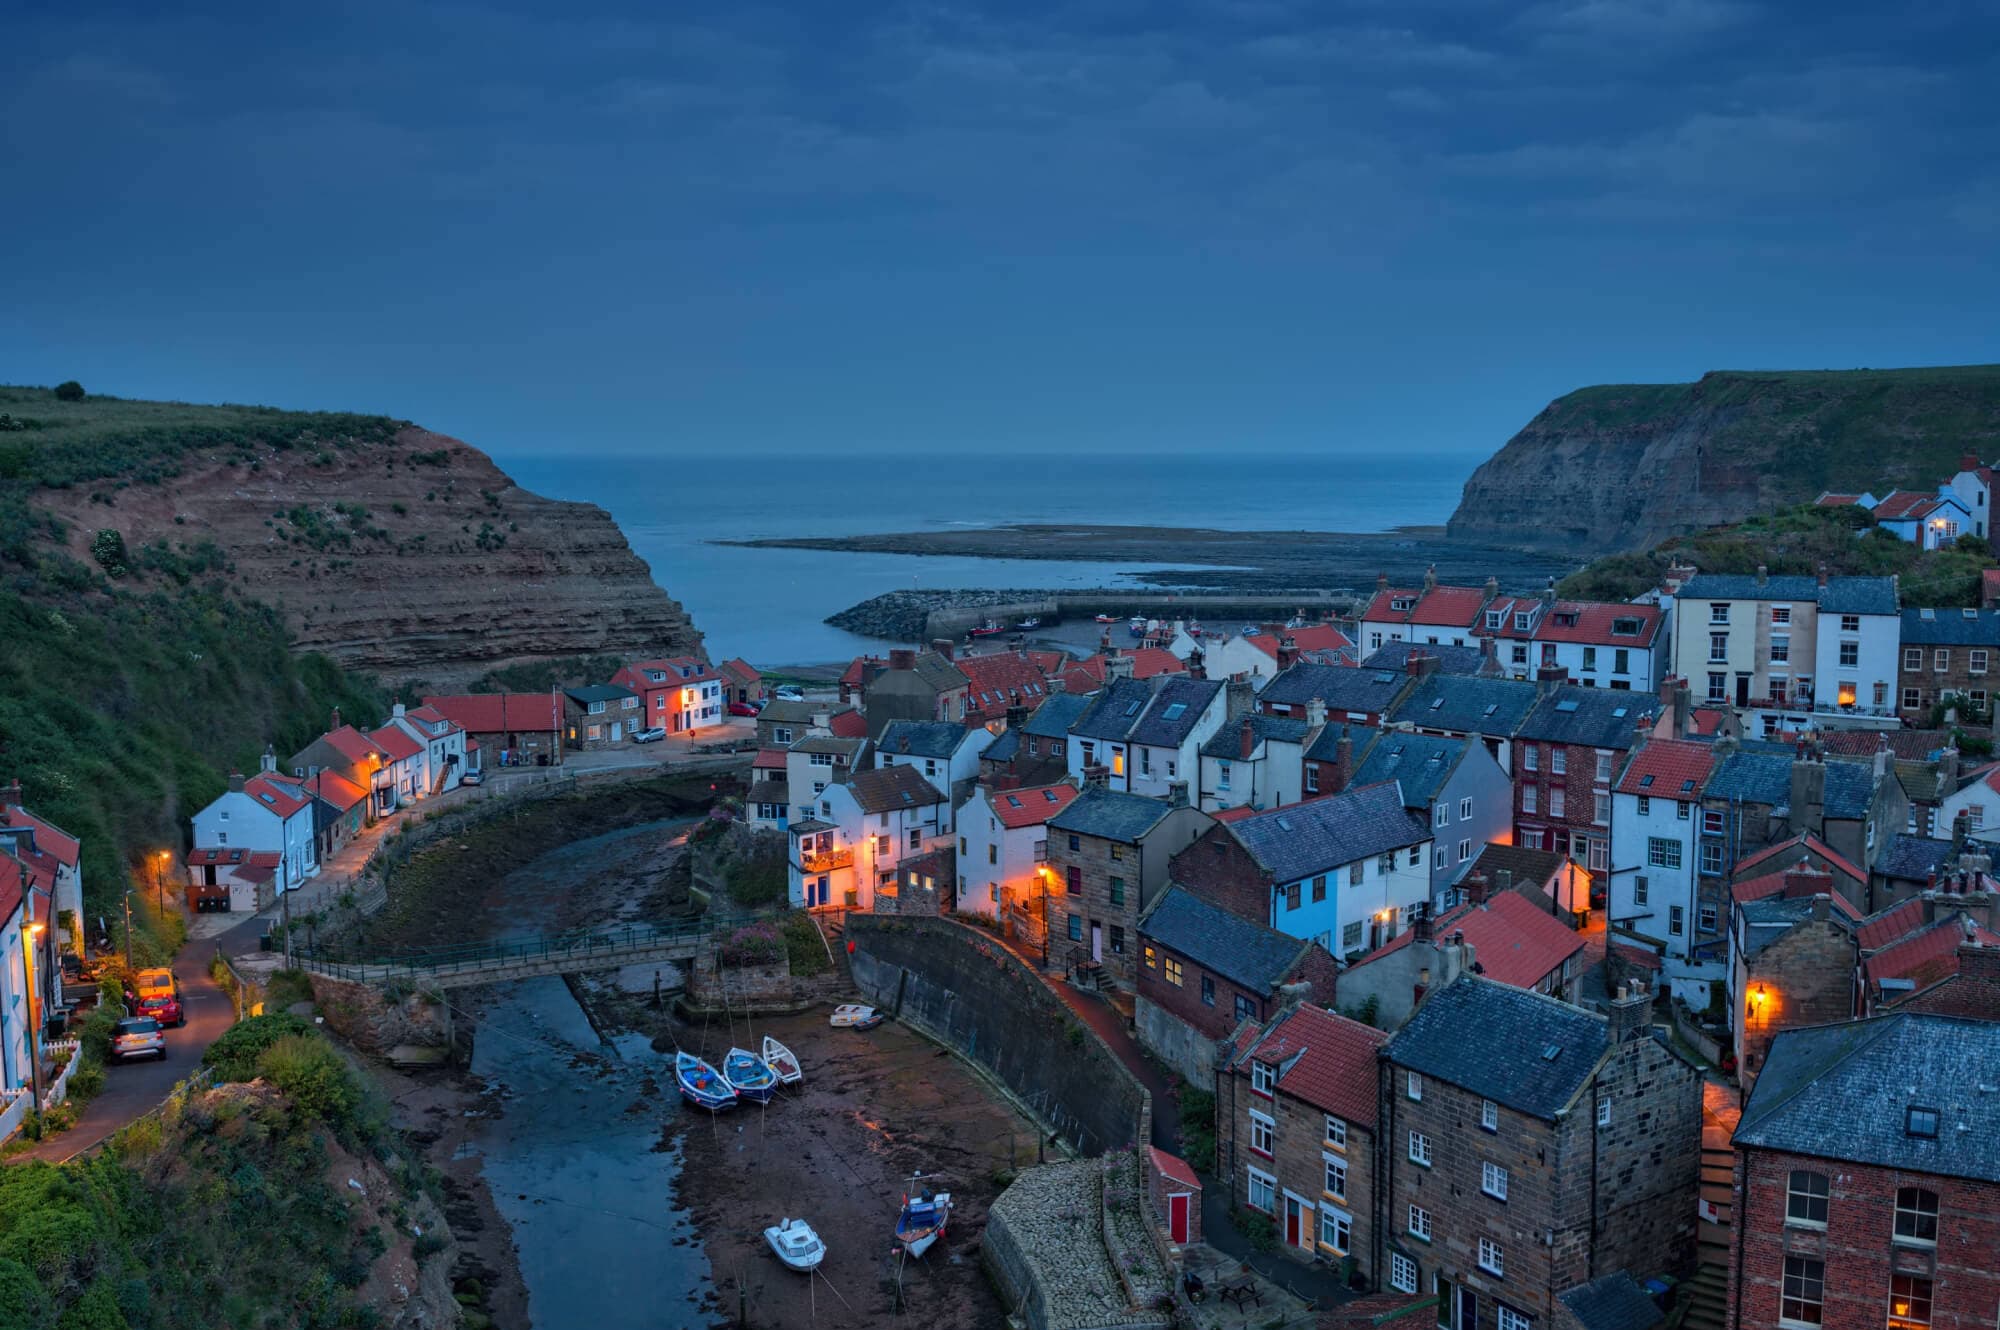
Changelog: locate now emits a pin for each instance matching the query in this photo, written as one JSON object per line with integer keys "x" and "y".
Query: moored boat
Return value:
{"x": 923, "y": 1217}
{"x": 1107, "y": 618}
{"x": 749, "y": 1075}
{"x": 987, "y": 629}
{"x": 784, "y": 1064}
{"x": 1136, "y": 626}
{"x": 795, "y": 1243}
{"x": 1028, "y": 625}
{"x": 702, "y": 1085}
{"x": 856, "y": 1016}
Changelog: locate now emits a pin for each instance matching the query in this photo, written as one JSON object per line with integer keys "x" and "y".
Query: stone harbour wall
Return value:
{"x": 1044, "y": 1247}
{"x": 1187, "y": 1050}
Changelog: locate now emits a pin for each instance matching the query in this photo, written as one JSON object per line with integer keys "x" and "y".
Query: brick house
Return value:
{"x": 1972, "y": 991}
{"x": 741, "y": 681}
{"x": 1868, "y": 1178}
{"x": 678, "y": 694}
{"x": 1947, "y": 652}
{"x": 1109, "y": 853}
{"x": 1792, "y": 959}
{"x": 998, "y": 681}
{"x": 1351, "y": 695}
{"x": 1570, "y": 750}
{"x": 600, "y": 715}
{"x": 1530, "y": 1146}
{"x": 1204, "y": 971}
{"x": 1510, "y": 938}
{"x": 511, "y": 729}
{"x": 1295, "y": 1133}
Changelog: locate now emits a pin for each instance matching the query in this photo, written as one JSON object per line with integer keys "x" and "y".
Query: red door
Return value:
{"x": 1292, "y": 1216}
{"x": 1177, "y": 1216}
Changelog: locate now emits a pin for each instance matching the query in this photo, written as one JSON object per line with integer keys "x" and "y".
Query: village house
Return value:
{"x": 1455, "y": 784}
{"x": 1568, "y": 750}
{"x": 1147, "y": 735}
{"x": 1351, "y": 696}
{"x": 1928, "y": 521}
{"x": 47, "y": 853}
{"x": 767, "y": 801}
{"x": 1036, "y": 750}
{"x": 678, "y": 694}
{"x": 1510, "y": 938}
{"x": 783, "y": 723}
{"x": 400, "y": 778}
{"x": 1972, "y": 484}
{"x": 1531, "y": 1146}
{"x": 1204, "y": 971}
{"x": 1257, "y": 761}
{"x": 1258, "y": 655}
{"x": 1543, "y": 875}
{"x": 1479, "y": 660}
{"x": 1617, "y": 645}
{"x": 1462, "y": 706}
{"x": 505, "y": 729}
{"x": 1346, "y": 870}
{"x": 267, "y": 812}
{"x": 818, "y": 761}
{"x": 1792, "y": 959}
{"x": 1651, "y": 894}
{"x": 601, "y": 715}
{"x": 1915, "y": 944}
{"x": 442, "y": 759}
{"x": 914, "y": 685}
{"x": 741, "y": 681}
{"x": 340, "y": 810}
{"x": 859, "y": 835}
{"x": 947, "y": 754}
{"x": 1439, "y": 615}
{"x": 997, "y": 682}
{"x": 1295, "y": 1134}
{"x": 1003, "y": 852}
{"x": 1109, "y": 853}
{"x": 20, "y": 947}
{"x": 355, "y": 757}
{"x": 1972, "y": 991}
{"x": 1093, "y": 672}
{"x": 1948, "y": 657}
{"x": 1868, "y": 1178}
{"x": 233, "y": 879}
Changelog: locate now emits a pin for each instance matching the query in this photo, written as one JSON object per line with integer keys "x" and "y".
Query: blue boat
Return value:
{"x": 749, "y": 1075}
{"x": 923, "y": 1217}
{"x": 702, "y": 1085}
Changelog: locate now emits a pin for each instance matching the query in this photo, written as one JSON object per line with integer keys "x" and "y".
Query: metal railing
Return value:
{"x": 419, "y": 962}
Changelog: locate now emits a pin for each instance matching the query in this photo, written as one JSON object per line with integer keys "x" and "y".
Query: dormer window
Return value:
{"x": 1263, "y": 1076}
{"x": 1921, "y": 1123}
{"x": 1624, "y": 627}
{"x": 1521, "y": 623}
{"x": 1566, "y": 619}
{"x": 1403, "y": 603}
{"x": 1494, "y": 618}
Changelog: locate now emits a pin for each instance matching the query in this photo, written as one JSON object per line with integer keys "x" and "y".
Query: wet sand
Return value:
{"x": 838, "y": 1151}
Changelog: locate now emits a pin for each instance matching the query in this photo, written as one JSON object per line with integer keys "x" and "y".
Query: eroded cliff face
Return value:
{"x": 416, "y": 559}
{"x": 1626, "y": 466}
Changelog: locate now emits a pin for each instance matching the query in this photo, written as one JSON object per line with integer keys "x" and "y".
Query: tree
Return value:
{"x": 69, "y": 391}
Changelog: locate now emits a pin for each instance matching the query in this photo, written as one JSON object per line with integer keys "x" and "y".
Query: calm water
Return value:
{"x": 766, "y": 605}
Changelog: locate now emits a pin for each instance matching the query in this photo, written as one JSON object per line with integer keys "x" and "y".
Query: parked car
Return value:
{"x": 473, "y": 778}
{"x": 649, "y": 736}
{"x": 138, "y": 1037}
{"x": 151, "y": 985}
{"x": 743, "y": 708}
{"x": 788, "y": 693}
{"x": 163, "y": 1007}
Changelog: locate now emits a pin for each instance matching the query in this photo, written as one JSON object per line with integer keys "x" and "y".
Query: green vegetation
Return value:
{"x": 1798, "y": 540}
{"x": 804, "y": 947}
{"x": 1197, "y": 1128}
{"x": 541, "y": 676}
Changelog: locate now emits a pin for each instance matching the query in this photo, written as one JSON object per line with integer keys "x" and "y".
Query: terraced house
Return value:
{"x": 1434, "y": 614}
{"x": 1948, "y": 655}
{"x": 1569, "y": 749}
{"x": 1598, "y": 644}
{"x": 1146, "y": 735}
{"x": 1110, "y": 854}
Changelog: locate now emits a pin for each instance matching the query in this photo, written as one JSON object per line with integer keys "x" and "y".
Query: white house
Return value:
{"x": 1928, "y": 521}
{"x": 268, "y": 812}
{"x": 1785, "y": 648}
{"x": 400, "y": 780}
{"x": 945, "y": 752}
{"x": 1973, "y": 487}
{"x": 1259, "y": 653}
{"x": 1147, "y": 734}
{"x": 1455, "y": 784}
{"x": 677, "y": 694}
{"x": 442, "y": 761}
{"x": 47, "y": 850}
{"x": 16, "y": 1002}
{"x": 817, "y": 762}
{"x": 1979, "y": 800}
{"x": 1857, "y": 647}
{"x": 1433, "y": 614}
{"x": 860, "y": 832}
{"x": 1655, "y": 817}
{"x": 1257, "y": 761}
{"x": 1003, "y": 844}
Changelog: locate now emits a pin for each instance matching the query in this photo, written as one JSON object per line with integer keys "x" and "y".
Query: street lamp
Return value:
{"x": 160, "y": 862}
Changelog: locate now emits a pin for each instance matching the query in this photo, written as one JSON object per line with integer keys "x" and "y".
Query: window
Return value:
{"x": 1941, "y": 659}
{"x": 1558, "y": 802}
{"x": 1641, "y": 888}
{"x": 916, "y": 839}
{"x": 1676, "y": 919}
{"x": 1491, "y": 1259}
{"x": 1913, "y": 658}
{"x": 1402, "y": 1273}
{"x": 1711, "y": 857}
{"x": 1978, "y": 663}
{"x": 1420, "y": 1149}
{"x": 1781, "y": 648}
{"x": 1292, "y": 896}
{"x": 1334, "y": 1184}
{"x": 1718, "y": 646}
{"x": 1117, "y": 940}
{"x": 1603, "y": 768}
{"x": 1621, "y": 661}
{"x": 1850, "y": 654}
{"x": 1117, "y": 852}
{"x": 1357, "y": 873}
{"x": 1530, "y": 757}
{"x": 1708, "y": 916}
{"x": 1803, "y": 1297}
{"x": 1263, "y": 1192}
{"x": 1076, "y": 935}
{"x": 1075, "y": 843}
{"x": 1493, "y": 1180}
{"x": 1781, "y": 614}
{"x": 1590, "y": 658}
{"x": 1489, "y": 1115}
{"x": 1718, "y": 613}
{"x": 992, "y": 851}
{"x": 1073, "y": 880}
{"x": 1530, "y": 796}
{"x": 1601, "y": 810}
{"x": 1718, "y": 686}
{"x": 1558, "y": 760}
{"x": 1440, "y": 857}
{"x": 1806, "y": 1199}
{"x": 1916, "y": 1215}
{"x": 1350, "y": 937}
{"x": 1661, "y": 853}
{"x": 1645, "y": 805}
{"x": 1850, "y": 623}
{"x": 1319, "y": 888}
{"x": 1312, "y": 778}
{"x": 1207, "y": 991}
{"x": 1604, "y": 1111}
{"x": 882, "y": 844}
{"x": 1599, "y": 859}
{"x": 1262, "y": 1077}
{"x": 1909, "y": 1302}
{"x": 1173, "y": 972}
{"x": 1681, "y": 809}
{"x": 1464, "y": 851}
{"x": 1420, "y": 1223}
{"x": 1152, "y": 957}
{"x": 1117, "y": 891}
{"x": 1245, "y": 1008}
{"x": 1261, "y": 1131}
{"x": 1334, "y": 1230}
{"x": 1440, "y": 816}
{"x": 1336, "y": 1132}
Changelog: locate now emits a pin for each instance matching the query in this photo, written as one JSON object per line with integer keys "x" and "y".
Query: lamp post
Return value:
{"x": 160, "y": 880}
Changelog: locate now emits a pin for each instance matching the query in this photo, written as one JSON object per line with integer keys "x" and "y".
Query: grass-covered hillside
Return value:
{"x": 1797, "y": 540}
{"x": 132, "y": 682}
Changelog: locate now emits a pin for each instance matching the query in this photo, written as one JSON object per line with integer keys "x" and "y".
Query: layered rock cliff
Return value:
{"x": 1625, "y": 466}
{"x": 410, "y": 555}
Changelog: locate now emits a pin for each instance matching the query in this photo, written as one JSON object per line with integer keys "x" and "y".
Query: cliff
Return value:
{"x": 391, "y": 549}
{"x": 1620, "y": 467}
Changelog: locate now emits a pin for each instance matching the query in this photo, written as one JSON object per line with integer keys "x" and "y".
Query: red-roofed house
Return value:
{"x": 1440, "y": 615}
{"x": 37, "y": 841}
{"x": 510, "y": 729}
{"x": 767, "y": 802}
{"x": 402, "y": 772}
{"x": 679, "y": 693}
{"x": 1510, "y": 938}
{"x": 1926, "y": 955}
{"x": 999, "y": 681}
{"x": 1928, "y": 521}
{"x": 1265, "y": 652}
{"x": 1003, "y": 850}
{"x": 242, "y": 879}
{"x": 444, "y": 755}
{"x": 860, "y": 672}
{"x": 1295, "y": 1115}
{"x": 741, "y": 681}
{"x": 1652, "y": 895}
{"x": 1087, "y": 675}
{"x": 268, "y": 812}
{"x": 342, "y": 812}
{"x": 1974, "y": 991}
{"x": 356, "y": 757}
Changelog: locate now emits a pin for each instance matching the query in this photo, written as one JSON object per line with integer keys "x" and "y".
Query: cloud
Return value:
{"x": 1634, "y": 22}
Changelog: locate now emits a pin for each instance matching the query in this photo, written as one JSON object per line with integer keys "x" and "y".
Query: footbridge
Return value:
{"x": 529, "y": 957}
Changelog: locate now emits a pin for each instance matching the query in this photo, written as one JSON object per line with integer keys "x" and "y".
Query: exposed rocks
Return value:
{"x": 901, "y": 616}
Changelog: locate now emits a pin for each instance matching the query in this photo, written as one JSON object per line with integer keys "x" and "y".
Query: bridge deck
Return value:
{"x": 521, "y": 958}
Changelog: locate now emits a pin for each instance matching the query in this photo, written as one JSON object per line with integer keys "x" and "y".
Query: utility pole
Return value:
{"x": 128, "y": 928}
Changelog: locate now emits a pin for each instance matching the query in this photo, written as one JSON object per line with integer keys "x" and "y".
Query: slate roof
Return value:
{"x": 833, "y": 743}
{"x": 1227, "y": 742}
{"x": 1111, "y": 814}
{"x": 1513, "y": 940}
{"x": 1341, "y": 687}
{"x": 1450, "y": 659}
{"x": 1113, "y": 711}
{"x": 1305, "y": 839}
{"x": 1326, "y": 747}
{"x": 1612, "y": 1302}
{"x": 1236, "y": 948}
{"x": 941, "y": 674}
{"x": 1755, "y": 778}
{"x": 1421, "y": 762}
{"x": 886, "y": 789}
{"x": 921, "y": 738}
{"x": 1532, "y": 866}
{"x": 1840, "y": 595}
{"x": 1912, "y": 858}
{"x": 1005, "y": 748}
{"x": 1951, "y": 628}
{"x": 1668, "y": 769}
{"x": 1850, "y": 787}
{"x": 1843, "y": 1092}
{"x": 1858, "y": 595}
{"x": 1052, "y": 719}
{"x": 1768, "y": 919}
{"x": 1178, "y": 704}
{"x": 1532, "y": 1053}
{"x": 1468, "y": 704}
{"x": 1589, "y": 717}
{"x": 597, "y": 692}
{"x": 1332, "y": 1061}
{"x": 779, "y": 711}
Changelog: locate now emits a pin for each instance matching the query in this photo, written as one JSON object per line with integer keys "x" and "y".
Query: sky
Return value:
{"x": 970, "y": 231}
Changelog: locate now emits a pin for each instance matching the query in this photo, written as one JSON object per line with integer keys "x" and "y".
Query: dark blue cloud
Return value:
{"x": 1103, "y": 223}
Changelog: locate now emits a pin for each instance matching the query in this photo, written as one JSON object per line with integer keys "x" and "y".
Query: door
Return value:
{"x": 1294, "y": 1222}
{"x": 617, "y": 730}
{"x": 1468, "y": 1308}
{"x": 1742, "y": 690}
{"x": 1096, "y": 940}
{"x": 1177, "y": 1216}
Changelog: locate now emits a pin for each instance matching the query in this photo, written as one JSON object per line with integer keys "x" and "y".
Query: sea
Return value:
{"x": 767, "y": 605}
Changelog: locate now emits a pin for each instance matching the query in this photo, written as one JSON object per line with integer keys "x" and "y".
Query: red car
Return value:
{"x": 743, "y": 708}
{"x": 164, "y": 1008}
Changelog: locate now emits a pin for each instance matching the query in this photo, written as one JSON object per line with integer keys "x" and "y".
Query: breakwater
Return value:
{"x": 922, "y": 616}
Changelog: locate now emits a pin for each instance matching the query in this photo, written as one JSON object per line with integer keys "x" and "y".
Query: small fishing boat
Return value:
{"x": 1027, "y": 625}
{"x": 1107, "y": 618}
{"x": 1136, "y": 626}
{"x": 701, "y": 1084}
{"x": 796, "y": 1244}
{"x": 987, "y": 629}
{"x": 749, "y": 1076}
{"x": 855, "y": 1016}
{"x": 923, "y": 1217}
{"x": 782, "y": 1062}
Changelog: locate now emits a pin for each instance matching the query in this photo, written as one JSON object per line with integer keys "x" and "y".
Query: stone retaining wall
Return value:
{"x": 1187, "y": 1050}
{"x": 1044, "y": 1248}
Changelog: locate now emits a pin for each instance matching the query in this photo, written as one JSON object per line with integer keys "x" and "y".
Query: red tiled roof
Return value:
{"x": 1836, "y": 500}
{"x": 495, "y": 713}
{"x": 1806, "y": 841}
{"x": 768, "y": 759}
{"x": 1146, "y": 662}
{"x": 1929, "y": 955}
{"x": 1643, "y": 957}
{"x": 1770, "y": 884}
{"x": 1236, "y": 814}
{"x": 12, "y": 888}
{"x": 1311, "y": 638}
{"x": 1593, "y": 623}
{"x": 1173, "y": 1167}
{"x": 1335, "y": 1071}
{"x": 278, "y": 793}
{"x": 1895, "y": 922}
{"x": 428, "y": 712}
{"x": 1001, "y": 680}
{"x": 1445, "y": 606}
{"x": 856, "y": 673}
{"x": 1957, "y": 994}
{"x": 353, "y": 745}
{"x": 1515, "y": 942}
{"x": 1671, "y": 763}
{"x": 49, "y": 838}
{"x": 848, "y": 724}
{"x": 1905, "y": 505}
{"x": 740, "y": 669}
{"x": 1914, "y": 745}
{"x": 1989, "y": 584}
{"x": 1031, "y": 807}
{"x": 336, "y": 789}
{"x": 395, "y": 744}
{"x": 1706, "y": 720}
{"x": 633, "y": 676}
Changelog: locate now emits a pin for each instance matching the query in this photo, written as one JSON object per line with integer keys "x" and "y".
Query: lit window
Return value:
{"x": 1806, "y": 1199}
{"x": 1491, "y": 1259}
{"x": 1909, "y": 1302}
{"x": 1803, "y": 1297}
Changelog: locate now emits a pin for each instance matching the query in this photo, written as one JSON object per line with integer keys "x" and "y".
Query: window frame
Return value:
{"x": 1809, "y": 1277}
{"x": 1806, "y": 1198}
{"x": 1263, "y": 1127}
{"x": 1493, "y": 1180}
{"x": 1419, "y": 1149}
{"x": 1492, "y": 1257}
{"x": 1489, "y": 1116}
{"x": 1919, "y": 1217}
{"x": 1402, "y": 1273}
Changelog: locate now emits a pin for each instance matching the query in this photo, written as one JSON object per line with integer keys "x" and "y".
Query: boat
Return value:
{"x": 923, "y": 1217}
{"x": 1107, "y": 618}
{"x": 701, "y": 1084}
{"x": 783, "y": 1064}
{"x": 987, "y": 629}
{"x": 749, "y": 1076}
{"x": 796, "y": 1244}
{"x": 1136, "y": 626}
{"x": 855, "y": 1016}
{"x": 1027, "y": 625}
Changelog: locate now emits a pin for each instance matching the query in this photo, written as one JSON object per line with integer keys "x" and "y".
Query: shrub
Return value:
{"x": 314, "y": 1077}
{"x": 1257, "y": 1229}
{"x": 287, "y": 987}
{"x": 1198, "y": 1129}
{"x": 108, "y": 548}
{"x": 754, "y": 944}
{"x": 804, "y": 947}
{"x": 69, "y": 390}
{"x": 86, "y": 1081}
{"x": 234, "y": 1056}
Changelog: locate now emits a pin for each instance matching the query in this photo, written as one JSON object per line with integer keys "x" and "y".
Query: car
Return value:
{"x": 138, "y": 1037}
{"x": 790, "y": 694}
{"x": 742, "y": 708}
{"x": 650, "y": 736}
{"x": 163, "y": 1007}
{"x": 473, "y": 778}
{"x": 152, "y": 984}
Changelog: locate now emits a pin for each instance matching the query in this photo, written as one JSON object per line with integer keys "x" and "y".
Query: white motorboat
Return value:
{"x": 856, "y": 1016}
{"x": 795, "y": 1243}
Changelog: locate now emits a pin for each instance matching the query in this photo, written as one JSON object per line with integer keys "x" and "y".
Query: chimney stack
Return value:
{"x": 1977, "y": 963}
{"x": 336, "y": 721}
{"x": 1808, "y": 794}
{"x": 1117, "y": 667}
{"x": 1806, "y": 878}
{"x": 1492, "y": 587}
{"x": 1631, "y": 1012}
{"x": 1822, "y": 575}
{"x": 1315, "y": 712}
{"x": 1418, "y": 663}
{"x": 1549, "y": 591}
{"x": 1239, "y": 697}
{"x": 1430, "y": 578}
{"x": 1177, "y": 794}
{"x": 236, "y": 782}
{"x": 1197, "y": 664}
{"x": 902, "y": 658}
{"x": 1381, "y": 582}
{"x": 1763, "y": 575}
{"x": 10, "y": 795}
{"x": 1248, "y": 742}
{"x": 269, "y": 762}
{"x": 1343, "y": 762}
{"x": 1288, "y": 651}
{"x": 1503, "y": 880}
{"x": 943, "y": 646}
{"x": 1475, "y": 888}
